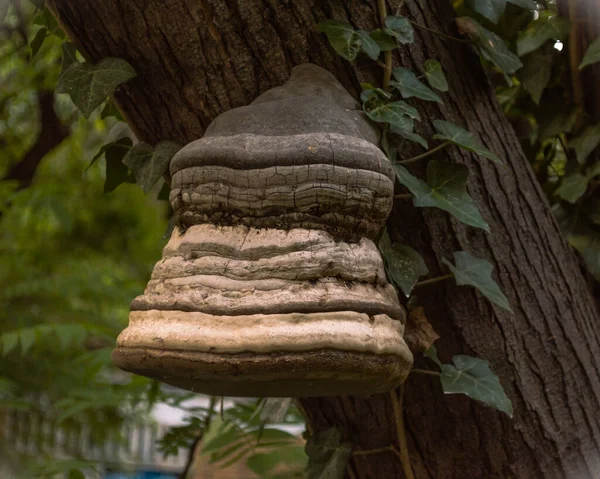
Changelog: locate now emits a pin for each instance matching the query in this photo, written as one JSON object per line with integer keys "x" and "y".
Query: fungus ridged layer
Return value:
{"x": 273, "y": 286}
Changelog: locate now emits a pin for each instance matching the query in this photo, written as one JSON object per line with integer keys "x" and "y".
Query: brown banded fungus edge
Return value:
{"x": 276, "y": 287}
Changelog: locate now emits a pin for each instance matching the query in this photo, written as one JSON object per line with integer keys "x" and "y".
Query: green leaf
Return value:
{"x": 384, "y": 40}
{"x": 69, "y": 56}
{"x": 89, "y": 85}
{"x": 459, "y": 136}
{"x": 274, "y": 410}
{"x": 572, "y": 187}
{"x": 37, "y": 42}
{"x": 410, "y": 86}
{"x": 400, "y": 28}
{"x": 537, "y": 72}
{"x": 110, "y": 109}
{"x": 76, "y": 474}
{"x": 9, "y": 341}
{"x": 403, "y": 264}
{"x": 445, "y": 189}
{"x": 68, "y": 334}
{"x": 410, "y": 136}
{"x": 586, "y": 143}
{"x": 542, "y": 30}
{"x": 491, "y": 46}
{"x": 367, "y": 88}
{"x": 27, "y": 338}
{"x": 369, "y": 46}
{"x": 477, "y": 272}
{"x": 435, "y": 75}
{"x": 263, "y": 463}
{"x": 327, "y": 454}
{"x": 117, "y": 172}
{"x": 592, "y": 55}
{"x": 526, "y": 4}
{"x": 490, "y": 9}
{"x": 474, "y": 378}
{"x": 148, "y": 164}
{"x": 396, "y": 113}
{"x": 342, "y": 37}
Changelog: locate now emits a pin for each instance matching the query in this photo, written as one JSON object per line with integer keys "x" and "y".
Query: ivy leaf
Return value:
{"x": 526, "y": 4}
{"x": 327, "y": 455}
{"x": 116, "y": 172}
{"x": 490, "y": 9}
{"x": 586, "y": 143}
{"x": 540, "y": 31}
{"x": 474, "y": 378}
{"x": 384, "y": 40}
{"x": 400, "y": 28}
{"x": 477, "y": 272}
{"x": 396, "y": 113}
{"x": 110, "y": 109}
{"x": 490, "y": 45}
{"x": 69, "y": 56}
{"x": 410, "y": 86}
{"x": 445, "y": 189}
{"x": 592, "y": 55}
{"x": 369, "y": 46}
{"x": 367, "y": 88}
{"x": 536, "y": 73}
{"x": 403, "y": 264}
{"x": 435, "y": 75}
{"x": 410, "y": 136}
{"x": 572, "y": 187}
{"x": 37, "y": 42}
{"x": 89, "y": 85}
{"x": 342, "y": 37}
{"x": 149, "y": 164}
{"x": 459, "y": 136}
{"x": 124, "y": 146}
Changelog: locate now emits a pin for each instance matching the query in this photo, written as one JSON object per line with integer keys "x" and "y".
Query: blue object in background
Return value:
{"x": 140, "y": 475}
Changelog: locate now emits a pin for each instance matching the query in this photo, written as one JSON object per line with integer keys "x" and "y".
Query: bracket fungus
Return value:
{"x": 274, "y": 286}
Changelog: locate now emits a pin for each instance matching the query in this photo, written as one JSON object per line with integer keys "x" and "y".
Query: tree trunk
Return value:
{"x": 196, "y": 59}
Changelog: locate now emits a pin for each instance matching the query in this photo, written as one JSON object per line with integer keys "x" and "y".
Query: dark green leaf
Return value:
{"x": 435, "y": 75}
{"x": 385, "y": 41}
{"x": 526, "y": 4}
{"x": 342, "y": 37}
{"x": 536, "y": 73}
{"x": 542, "y": 30}
{"x": 327, "y": 455}
{"x": 369, "y": 46}
{"x": 459, "y": 136}
{"x": 586, "y": 143}
{"x": 163, "y": 194}
{"x": 69, "y": 56}
{"x": 148, "y": 164}
{"x": 409, "y": 135}
{"x": 89, "y": 85}
{"x": 76, "y": 474}
{"x": 367, "y": 88}
{"x": 490, "y": 9}
{"x": 445, "y": 189}
{"x": 592, "y": 55}
{"x": 572, "y": 187}
{"x": 410, "y": 86}
{"x": 477, "y": 272}
{"x": 474, "y": 378}
{"x": 403, "y": 264}
{"x": 110, "y": 109}
{"x": 396, "y": 113}
{"x": 491, "y": 46}
{"x": 37, "y": 42}
{"x": 116, "y": 172}
{"x": 400, "y": 28}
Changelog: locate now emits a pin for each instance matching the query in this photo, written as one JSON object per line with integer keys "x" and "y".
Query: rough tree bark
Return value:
{"x": 196, "y": 59}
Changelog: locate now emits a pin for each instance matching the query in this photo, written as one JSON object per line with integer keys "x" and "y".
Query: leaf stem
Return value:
{"x": 424, "y": 155}
{"x": 441, "y": 34}
{"x": 434, "y": 280}
{"x": 387, "y": 71}
{"x": 425, "y": 371}
{"x": 369, "y": 452}
{"x": 397, "y": 405}
{"x": 404, "y": 196}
